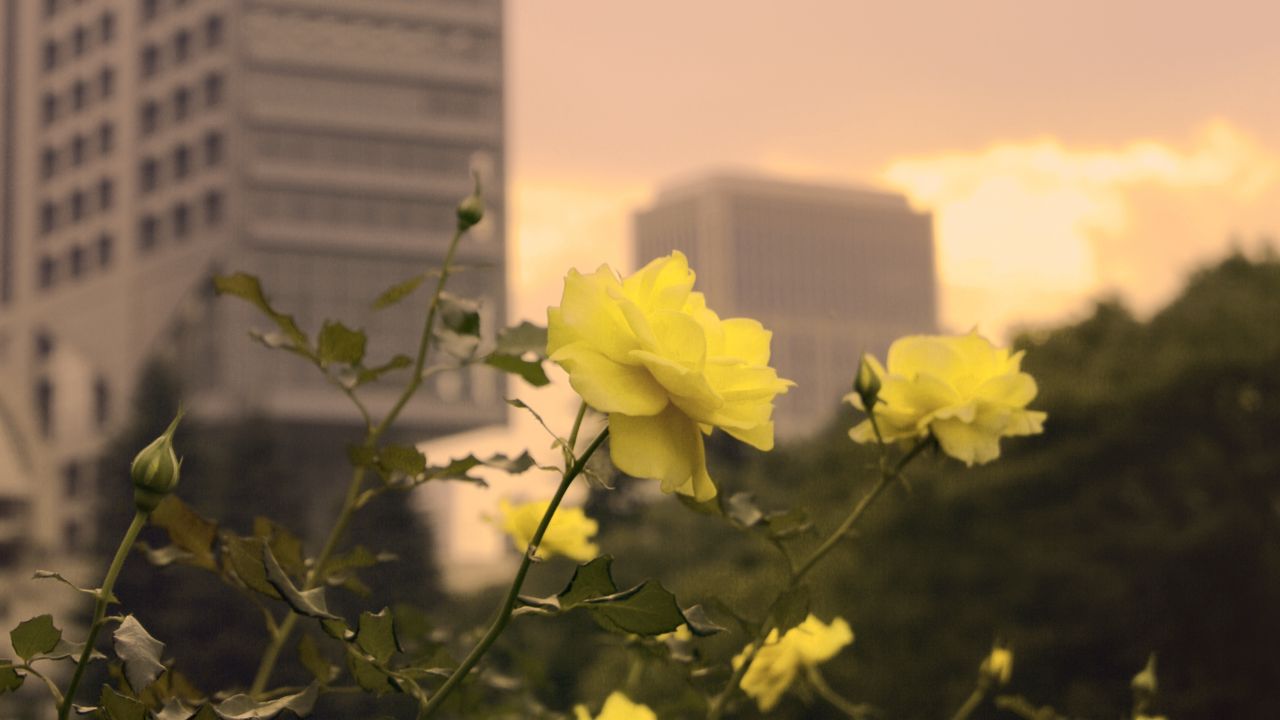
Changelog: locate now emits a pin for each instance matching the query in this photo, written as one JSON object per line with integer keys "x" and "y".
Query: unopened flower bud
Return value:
{"x": 998, "y": 666}
{"x": 867, "y": 383}
{"x": 471, "y": 209}
{"x": 1145, "y": 681}
{"x": 155, "y": 469}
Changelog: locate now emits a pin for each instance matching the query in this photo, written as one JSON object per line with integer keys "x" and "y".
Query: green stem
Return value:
{"x": 974, "y": 700}
{"x": 509, "y": 602}
{"x": 577, "y": 425}
{"x": 53, "y": 687}
{"x": 100, "y": 608}
{"x": 837, "y": 701}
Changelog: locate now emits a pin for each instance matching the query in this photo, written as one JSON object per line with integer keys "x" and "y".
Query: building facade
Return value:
{"x": 832, "y": 271}
{"x": 320, "y": 144}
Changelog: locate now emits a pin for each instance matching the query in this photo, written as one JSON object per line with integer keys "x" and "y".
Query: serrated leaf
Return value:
{"x": 398, "y": 292}
{"x": 140, "y": 653}
{"x": 368, "y": 375}
{"x": 67, "y": 650}
{"x": 377, "y": 635}
{"x": 791, "y": 608}
{"x": 244, "y": 555}
{"x": 247, "y": 287}
{"x": 175, "y": 709}
{"x": 34, "y": 636}
{"x": 699, "y": 624}
{"x": 743, "y": 511}
{"x": 305, "y": 602}
{"x": 243, "y": 707}
{"x": 523, "y": 338}
{"x": 590, "y": 580}
{"x": 10, "y": 679}
{"x": 337, "y": 629}
{"x": 647, "y": 609}
{"x": 115, "y": 706}
{"x": 314, "y": 662}
{"x": 284, "y": 545}
{"x": 340, "y": 344}
{"x": 368, "y": 676}
{"x": 458, "y": 468}
{"x": 187, "y": 530}
{"x": 50, "y": 575}
{"x": 530, "y": 370}
{"x": 402, "y": 459}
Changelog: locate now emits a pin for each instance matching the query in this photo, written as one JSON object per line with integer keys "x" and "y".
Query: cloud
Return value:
{"x": 1028, "y": 231}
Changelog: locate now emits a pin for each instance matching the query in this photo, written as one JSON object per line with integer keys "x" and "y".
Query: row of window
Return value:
{"x": 80, "y": 204}
{"x": 83, "y": 91}
{"x": 178, "y": 223}
{"x": 101, "y": 33}
{"x": 44, "y": 402}
{"x": 364, "y": 152}
{"x": 77, "y": 262}
{"x": 181, "y": 46}
{"x": 76, "y": 153}
{"x": 180, "y": 104}
{"x": 149, "y": 170}
{"x": 353, "y": 210}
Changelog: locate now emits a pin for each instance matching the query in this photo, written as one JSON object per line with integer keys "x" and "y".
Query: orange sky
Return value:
{"x": 1064, "y": 148}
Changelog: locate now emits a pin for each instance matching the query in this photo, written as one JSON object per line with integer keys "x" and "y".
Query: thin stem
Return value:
{"x": 100, "y": 608}
{"x": 974, "y": 700}
{"x": 837, "y": 701}
{"x": 53, "y": 687}
{"x": 508, "y": 604}
{"x": 577, "y": 425}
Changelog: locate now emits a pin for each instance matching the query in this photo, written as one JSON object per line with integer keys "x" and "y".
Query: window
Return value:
{"x": 79, "y": 95}
{"x": 148, "y": 232}
{"x": 150, "y": 117}
{"x": 48, "y": 163}
{"x": 212, "y": 149}
{"x": 106, "y": 138}
{"x": 75, "y": 261}
{"x": 101, "y": 401}
{"x": 181, "y": 104}
{"x": 150, "y": 61}
{"x": 48, "y": 217}
{"x": 78, "y": 147}
{"x": 44, "y": 406}
{"x": 106, "y": 246}
{"x": 50, "y": 8}
{"x": 212, "y": 208}
{"x": 50, "y": 54}
{"x": 106, "y": 83}
{"x": 107, "y": 27}
{"x": 148, "y": 175}
{"x": 71, "y": 535}
{"x": 43, "y": 345}
{"x": 181, "y": 221}
{"x": 48, "y": 272}
{"x": 49, "y": 108}
{"x": 79, "y": 40}
{"x": 181, "y": 162}
{"x": 78, "y": 208}
{"x": 182, "y": 46}
{"x": 106, "y": 194}
{"x": 212, "y": 90}
{"x": 213, "y": 31}
{"x": 150, "y": 8}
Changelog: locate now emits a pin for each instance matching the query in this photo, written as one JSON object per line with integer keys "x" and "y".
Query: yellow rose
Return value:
{"x": 666, "y": 369}
{"x": 961, "y": 388}
{"x": 777, "y": 663}
{"x": 999, "y": 665}
{"x": 617, "y": 707}
{"x": 569, "y": 533}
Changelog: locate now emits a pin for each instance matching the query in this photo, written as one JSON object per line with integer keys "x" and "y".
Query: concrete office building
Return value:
{"x": 832, "y": 271}
{"x": 321, "y": 144}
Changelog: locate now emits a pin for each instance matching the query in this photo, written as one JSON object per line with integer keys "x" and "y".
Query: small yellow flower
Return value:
{"x": 617, "y": 707}
{"x": 777, "y": 663}
{"x": 569, "y": 534}
{"x": 961, "y": 388}
{"x": 999, "y": 665}
{"x": 666, "y": 369}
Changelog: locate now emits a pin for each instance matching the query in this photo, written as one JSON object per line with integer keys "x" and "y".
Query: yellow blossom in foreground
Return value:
{"x": 961, "y": 388}
{"x": 666, "y": 369}
{"x": 999, "y": 665}
{"x": 777, "y": 663}
{"x": 569, "y": 534}
{"x": 617, "y": 707}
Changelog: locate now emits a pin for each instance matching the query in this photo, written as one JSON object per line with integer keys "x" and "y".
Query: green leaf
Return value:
{"x": 67, "y": 650}
{"x": 402, "y": 459}
{"x": 369, "y": 677}
{"x": 34, "y": 636}
{"x": 590, "y": 580}
{"x": 115, "y": 706}
{"x": 337, "y": 629}
{"x": 305, "y": 602}
{"x": 530, "y": 370}
{"x": 340, "y": 344}
{"x": 523, "y": 338}
{"x": 175, "y": 709}
{"x": 314, "y": 661}
{"x": 284, "y": 545}
{"x": 791, "y": 608}
{"x": 647, "y": 609}
{"x": 187, "y": 530}
{"x": 460, "y": 315}
{"x": 458, "y": 468}
{"x": 243, "y": 707}
{"x": 10, "y": 679}
{"x": 789, "y": 523}
{"x": 244, "y": 555}
{"x": 50, "y": 575}
{"x": 398, "y": 292}
{"x": 377, "y": 635}
{"x": 247, "y": 287}
{"x": 699, "y": 624}
{"x": 140, "y": 653}
{"x": 742, "y": 510}
{"x": 368, "y": 375}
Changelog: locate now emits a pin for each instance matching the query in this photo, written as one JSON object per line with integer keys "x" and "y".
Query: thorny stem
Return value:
{"x": 970, "y": 704}
{"x": 100, "y": 608}
{"x": 508, "y": 604}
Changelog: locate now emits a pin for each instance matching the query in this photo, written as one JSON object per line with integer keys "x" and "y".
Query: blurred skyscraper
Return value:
{"x": 320, "y": 144}
{"x": 832, "y": 271}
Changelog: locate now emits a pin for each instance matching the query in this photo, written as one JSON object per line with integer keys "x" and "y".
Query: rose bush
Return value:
{"x": 779, "y": 660}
